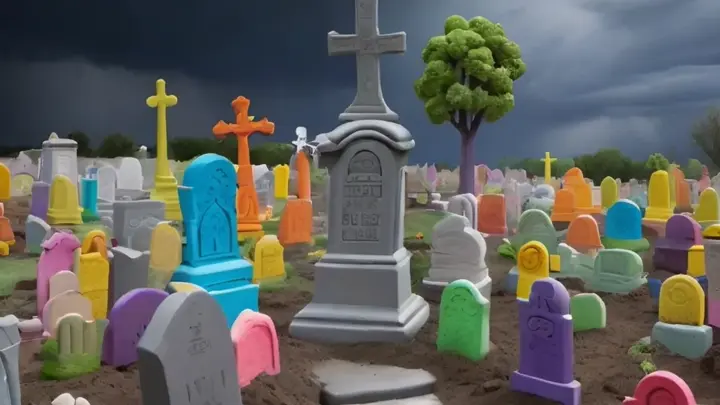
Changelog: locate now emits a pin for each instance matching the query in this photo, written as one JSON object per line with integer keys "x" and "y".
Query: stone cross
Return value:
{"x": 367, "y": 44}
{"x": 161, "y": 100}
{"x": 548, "y": 166}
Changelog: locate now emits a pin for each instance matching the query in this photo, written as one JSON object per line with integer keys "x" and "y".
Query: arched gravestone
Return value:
{"x": 362, "y": 285}
{"x": 127, "y": 321}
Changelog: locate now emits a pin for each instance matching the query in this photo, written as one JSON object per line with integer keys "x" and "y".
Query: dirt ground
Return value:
{"x": 607, "y": 373}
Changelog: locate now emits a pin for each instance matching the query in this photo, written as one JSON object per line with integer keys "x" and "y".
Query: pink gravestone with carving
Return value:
{"x": 256, "y": 346}
{"x": 127, "y": 321}
{"x": 661, "y": 388}
{"x": 57, "y": 255}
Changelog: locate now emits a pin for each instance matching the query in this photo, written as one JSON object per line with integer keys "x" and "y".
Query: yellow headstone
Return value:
{"x": 696, "y": 261}
{"x": 5, "y": 181}
{"x": 94, "y": 242}
{"x": 658, "y": 208}
{"x": 64, "y": 208}
{"x": 282, "y": 181}
{"x": 682, "y": 301}
{"x": 93, "y": 273}
{"x": 268, "y": 262}
{"x": 708, "y": 209}
{"x": 165, "y": 254}
{"x": 609, "y": 192}
{"x": 166, "y": 187}
{"x": 533, "y": 263}
{"x": 672, "y": 186}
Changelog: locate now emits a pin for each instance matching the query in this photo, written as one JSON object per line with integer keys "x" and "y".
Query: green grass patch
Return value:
{"x": 292, "y": 280}
{"x": 637, "y": 246}
{"x": 506, "y": 250}
{"x": 648, "y": 367}
{"x": 422, "y": 222}
{"x": 271, "y": 226}
{"x": 643, "y": 352}
{"x": 66, "y": 367}
{"x": 419, "y": 267}
{"x": 320, "y": 241}
{"x": 14, "y": 270}
{"x": 278, "y": 207}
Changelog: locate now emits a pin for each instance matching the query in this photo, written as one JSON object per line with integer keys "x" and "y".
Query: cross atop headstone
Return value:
{"x": 368, "y": 45}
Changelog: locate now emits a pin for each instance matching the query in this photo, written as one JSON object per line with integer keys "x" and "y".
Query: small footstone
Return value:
{"x": 588, "y": 312}
{"x": 347, "y": 383}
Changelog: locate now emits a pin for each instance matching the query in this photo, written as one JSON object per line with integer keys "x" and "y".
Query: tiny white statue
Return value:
{"x": 301, "y": 141}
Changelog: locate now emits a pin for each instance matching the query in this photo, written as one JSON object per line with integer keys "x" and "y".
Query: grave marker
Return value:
{"x": 659, "y": 388}
{"x": 533, "y": 263}
{"x": 464, "y": 325}
{"x": 256, "y": 346}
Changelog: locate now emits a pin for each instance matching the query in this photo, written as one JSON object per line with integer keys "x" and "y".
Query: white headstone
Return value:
{"x": 58, "y": 156}
{"x": 130, "y": 175}
{"x": 107, "y": 183}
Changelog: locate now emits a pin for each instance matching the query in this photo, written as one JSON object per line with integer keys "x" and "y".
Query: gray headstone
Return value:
{"x": 36, "y": 232}
{"x": 140, "y": 239}
{"x": 128, "y": 215}
{"x": 186, "y": 356}
{"x": 128, "y": 271}
{"x": 362, "y": 284}
{"x": 368, "y": 45}
{"x": 9, "y": 361}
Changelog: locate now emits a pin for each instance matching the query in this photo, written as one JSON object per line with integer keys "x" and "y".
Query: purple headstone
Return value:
{"x": 127, "y": 321}
{"x": 671, "y": 252}
{"x": 546, "y": 345}
{"x": 40, "y": 199}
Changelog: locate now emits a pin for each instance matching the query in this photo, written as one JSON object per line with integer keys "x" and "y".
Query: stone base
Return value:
{"x": 566, "y": 394}
{"x": 361, "y": 299}
{"x": 691, "y": 342}
{"x": 432, "y": 290}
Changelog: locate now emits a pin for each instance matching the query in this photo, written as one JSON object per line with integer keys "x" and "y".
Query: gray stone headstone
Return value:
{"x": 140, "y": 239}
{"x": 186, "y": 356}
{"x": 362, "y": 284}
{"x": 128, "y": 271}
{"x": 128, "y": 215}
{"x": 37, "y": 231}
{"x": 368, "y": 45}
{"x": 9, "y": 360}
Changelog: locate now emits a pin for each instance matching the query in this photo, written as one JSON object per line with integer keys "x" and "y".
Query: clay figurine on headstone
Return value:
{"x": 9, "y": 360}
{"x": 617, "y": 271}
{"x": 535, "y": 225}
{"x": 682, "y": 232}
{"x": 464, "y": 325}
{"x": 37, "y": 231}
{"x": 186, "y": 355}
{"x": 546, "y": 345}
{"x": 127, "y": 322}
{"x": 458, "y": 253}
{"x": 623, "y": 227}
{"x": 588, "y": 312}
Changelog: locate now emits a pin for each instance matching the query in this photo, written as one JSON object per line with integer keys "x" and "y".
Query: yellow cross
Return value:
{"x": 548, "y": 165}
{"x": 161, "y": 100}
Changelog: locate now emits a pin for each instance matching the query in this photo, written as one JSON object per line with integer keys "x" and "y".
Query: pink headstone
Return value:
{"x": 256, "y": 346}
{"x": 546, "y": 345}
{"x": 431, "y": 176}
{"x": 496, "y": 176}
{"x": 127, "y": 321}
{"x": 671, "y": 251}
{"x": 661, "y": 388}
{"x": 704, "y": 181}
{"x": 57, "y": 255}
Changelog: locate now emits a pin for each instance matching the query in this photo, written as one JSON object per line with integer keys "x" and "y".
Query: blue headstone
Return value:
{"x": 89, "y": 193}
{"x": 623, "y": 221}
{"x": 211, "y": 257}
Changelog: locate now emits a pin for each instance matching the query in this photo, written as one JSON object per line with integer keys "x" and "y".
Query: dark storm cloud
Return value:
{"x": 600, "y": 72}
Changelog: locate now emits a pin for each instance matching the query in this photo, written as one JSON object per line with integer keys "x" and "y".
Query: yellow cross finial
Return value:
{"x": 161, "y": 99}
{"x": 548, "y": 165}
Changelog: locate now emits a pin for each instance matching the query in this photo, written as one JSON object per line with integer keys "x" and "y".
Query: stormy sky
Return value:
{"x": 601, "y": 73}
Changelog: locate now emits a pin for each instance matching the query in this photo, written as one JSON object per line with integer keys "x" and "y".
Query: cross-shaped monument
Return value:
{"x": 548, "y": 166}
{"x": 368, "y": 45}
{"x": 166, "y": 187}
{"x": 248, "y": 219}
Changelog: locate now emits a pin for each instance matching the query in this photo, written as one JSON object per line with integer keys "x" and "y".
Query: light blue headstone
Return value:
{"x": 89, "y": 193}
{"x": 623, "y": 221}
{"x": 211, "y": 258}
{"x": 691, "y": 342}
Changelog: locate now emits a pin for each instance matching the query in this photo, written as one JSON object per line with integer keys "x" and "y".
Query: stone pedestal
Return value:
{"x": 58, "y": 156}
{"x": 362, "y": 285}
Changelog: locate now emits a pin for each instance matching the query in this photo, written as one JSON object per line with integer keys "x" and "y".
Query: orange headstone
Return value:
{"x": 248, "y": 217}
{"x": 575, "y": 181}
{"x": 682, "y": 189}
{"x": 564, "y": 208}
{"x": 296, "y": 223}
{"x": 583, "y": 234}
{"x": 302, "y": 165}
{"x": 6, "y": 231}
{"x": 492, "y": 214}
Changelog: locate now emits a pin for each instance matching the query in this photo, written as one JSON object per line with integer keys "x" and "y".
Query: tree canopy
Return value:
{"x": 706, "y": 134}
{"x": 116, "y": 145}
{"x": 469, "y": 74}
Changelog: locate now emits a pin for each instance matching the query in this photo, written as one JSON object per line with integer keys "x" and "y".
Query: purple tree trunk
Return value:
{"x": 467, "y": 164}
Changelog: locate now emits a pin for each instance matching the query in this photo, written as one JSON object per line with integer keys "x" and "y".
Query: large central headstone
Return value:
{"x": 362, "y": 285}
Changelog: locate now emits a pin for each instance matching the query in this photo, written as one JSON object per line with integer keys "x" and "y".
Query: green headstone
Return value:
{"x": 588, "y": 312}
{"x": 464, "y": 326}
{"x": 535, "y": 225}
{"x": 617, "y": 271}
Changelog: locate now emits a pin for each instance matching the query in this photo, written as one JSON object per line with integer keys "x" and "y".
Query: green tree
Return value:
{"x": 271, "y": 153}
{"x": 468, "y": 79}
{"x": 560, "y": 167}
{"x": 185, "y": 149}
{"x": 706, "y": 134}
{"x": 657, "y": 161}
{"x": 116, "y": 145}
{"x": 83, "y": 142}
{"x": 693, "y": 170}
